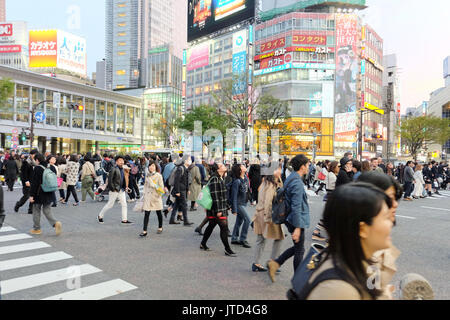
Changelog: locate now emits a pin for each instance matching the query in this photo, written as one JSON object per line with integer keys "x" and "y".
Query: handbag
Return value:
{"x": 204, "y": 198}
{"x": 64, "y": 177}
{"x": 139, "y": 206}
{"x": 60, "y": 181}
{"x": 321, "y": 176}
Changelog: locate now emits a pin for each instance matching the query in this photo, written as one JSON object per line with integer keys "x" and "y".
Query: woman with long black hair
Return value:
{"x": 218, "y": 215}
{"x": 359, "y": 224}
{"x": 72, "y": 169}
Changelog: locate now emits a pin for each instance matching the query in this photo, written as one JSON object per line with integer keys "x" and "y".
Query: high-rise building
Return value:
{"x": 2, "y": 10}
{"x": 133, "y": 28}
{"x": 14, "y": 44}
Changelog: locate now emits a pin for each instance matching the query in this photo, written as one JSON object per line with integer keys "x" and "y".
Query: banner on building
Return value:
{"x": 239, "y": 61}
{"x": 198, "y": 56}
{"x": 43, "y": 48}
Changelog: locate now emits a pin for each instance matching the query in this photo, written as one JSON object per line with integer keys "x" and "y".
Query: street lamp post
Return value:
{"x": 32, "y": 111}
{"x": 314, "y": 146}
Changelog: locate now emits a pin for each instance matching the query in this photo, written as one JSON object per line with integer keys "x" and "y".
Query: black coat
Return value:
{"x": 39, "y": 196}
{"x": 181, "y": 182}
{"x": 26, "y": 172}
{"x": 344, "y": 177}
{"x": 11, "y": 169}
{"x": 254, "y": 175}
{"x": 2, "y": 210}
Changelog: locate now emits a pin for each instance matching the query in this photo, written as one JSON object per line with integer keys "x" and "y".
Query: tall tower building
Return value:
{"x": 133, "y": 28}
{"x": 2, "y": 10}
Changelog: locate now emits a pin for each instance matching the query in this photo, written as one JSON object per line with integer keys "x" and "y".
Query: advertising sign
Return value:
{"x": 208, "y": 16}
{"x": 347, "y": 69}
{"x": 345, "y": 127}
{"x": 272, "y": 45}
{"x": 239, "y": 60}
{"x": 71, "y": 53}
{"x": 43, "y": 48}
{"x": 198, "y": 56}
{"x": 13, "y": 36}
{"x": 309, "y": 39}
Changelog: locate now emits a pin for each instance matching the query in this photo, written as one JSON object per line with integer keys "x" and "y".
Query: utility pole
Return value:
{"x": 32, "y": 111}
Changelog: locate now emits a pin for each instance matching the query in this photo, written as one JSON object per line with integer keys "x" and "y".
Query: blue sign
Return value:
{"x": 363, "y": 67}
{"x": 239, "y": 63}
{"x": 40, "y": 116}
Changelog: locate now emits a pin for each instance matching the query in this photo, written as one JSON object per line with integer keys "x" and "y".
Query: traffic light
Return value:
{"x": 377, "y": 136}
{"x": 76, "y": 106}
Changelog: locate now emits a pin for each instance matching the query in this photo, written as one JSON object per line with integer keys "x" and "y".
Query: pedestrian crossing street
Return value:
{"x": 33, "y": 270}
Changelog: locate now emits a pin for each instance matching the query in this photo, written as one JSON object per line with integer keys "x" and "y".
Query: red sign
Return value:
{"x": 6, "y": 30}
{"x": 309, "y": 39}
{"x": 12, "y": 48}
{"x": 272, "y": 45}
{"x": 298, "y": 49}
{"x": 271, "y": 62}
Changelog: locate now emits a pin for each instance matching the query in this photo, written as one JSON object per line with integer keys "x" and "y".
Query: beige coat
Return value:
{"x": 87, "y": 170}
{"x": 263, "y": 215}
{"x": 152, "y": 200}
{"x": 196, "y": 186}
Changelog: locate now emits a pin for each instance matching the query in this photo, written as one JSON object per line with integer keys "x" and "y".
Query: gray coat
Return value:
{"x": 409, "y": 174}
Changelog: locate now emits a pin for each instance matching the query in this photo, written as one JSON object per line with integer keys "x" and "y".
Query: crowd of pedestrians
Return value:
{"x": 361, "y": 201}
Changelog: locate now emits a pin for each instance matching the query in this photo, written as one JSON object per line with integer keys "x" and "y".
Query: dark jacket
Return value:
{"x": 218, "y": 191}
{"x": 39, "y": 196}
{"x": 254, "y": 175}
{"x": 427, "y": 174}
{"x": 26, "y": 172}
{"x": 344, "y": 177}
{"x": 409, "y": 174}
{"x": 2, "y": 209}
{"x": 297, "y": 200}
{"x": 239, "y": 191}
{"x": 181, "y": 182}
{"x": 202, "y": 171}
{"x": 11, "y": 169}
{"x": 115, "y": 179}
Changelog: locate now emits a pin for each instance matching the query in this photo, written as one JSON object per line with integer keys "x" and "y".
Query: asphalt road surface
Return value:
{"x": 110, "y": 261}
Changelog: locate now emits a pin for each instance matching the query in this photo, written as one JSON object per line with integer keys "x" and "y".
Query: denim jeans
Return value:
{"x": 243, "y": 219}
{"x": 297, "y": 250}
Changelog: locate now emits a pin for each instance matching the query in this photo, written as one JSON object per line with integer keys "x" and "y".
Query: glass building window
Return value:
{"x": 50, "y": 112}
{"x": 130, "y": 120}
{"x": 89, "y": 111}
{"x": 64, "y": 112}
{"x": 110, "y": 115}
{"x": 77, "y": 116}
{"x": 100, "y": 117}
{"x": 120, "y": 119}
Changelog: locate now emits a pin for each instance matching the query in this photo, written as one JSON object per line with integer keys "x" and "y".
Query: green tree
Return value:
{"x": 6, "y": 90}
{"x": 418, "y": 131}
{"x": 210, "y": 117}
{"x": 272, "y": 112}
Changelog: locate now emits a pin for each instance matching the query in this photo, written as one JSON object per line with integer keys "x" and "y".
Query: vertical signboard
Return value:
{"x": 347, "y": 68}
{"x": 239, "y": 61}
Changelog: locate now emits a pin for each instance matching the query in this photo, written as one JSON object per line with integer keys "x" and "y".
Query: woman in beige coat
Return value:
{"x": 153, "y": 188}
{"x": 264, "y": 228}
{"x": 195, "y": 187}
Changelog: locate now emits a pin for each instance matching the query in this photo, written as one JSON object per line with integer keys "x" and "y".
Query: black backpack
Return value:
{"x": 108, "y": 166}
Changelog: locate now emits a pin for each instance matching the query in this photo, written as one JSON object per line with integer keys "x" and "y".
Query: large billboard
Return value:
{"x": 58, "y": 49}
{"x": 208, "y": 16}
{"x": 347, "y": 69}
{"x": 72, "y": 53}
{"x": 198, "y": 56}
{"x": 239, "y": 61}
{"x": 13, "y": 36}
{"x": 43, "y": 48}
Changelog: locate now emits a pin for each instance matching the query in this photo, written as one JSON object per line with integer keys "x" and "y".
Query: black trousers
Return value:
{"x": 71, "y": 190}
{"x": 10, "y": 183}
{"x": 134, "y": 188}
{"x": 180, "y": 205}
{"x": 25, "y": 197}
{"x": 223, "y": 224}
{"x": 147, "y": 215}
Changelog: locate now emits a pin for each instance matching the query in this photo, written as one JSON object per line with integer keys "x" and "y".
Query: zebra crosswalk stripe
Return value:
{"x": 7, "y": 229}
{"x": 23, "y": 247}
{"x": 40, "y": 279}
{"x": 13, "y": 237}
{"x": 33, "y": 260}
{"x": 96, "y": 292}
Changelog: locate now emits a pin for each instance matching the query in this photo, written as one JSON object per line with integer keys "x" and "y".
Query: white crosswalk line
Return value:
{"x": 23, "y": 247}
{"x": 433, "y": 208}
{"x": 12, "y": 237}
{"x": 7, "y": 229}
{"x": 33, "y": 260}
{"x": 40, "y": 279}
{"x": 406, "y": 217}
{"x": 96, "y": 292}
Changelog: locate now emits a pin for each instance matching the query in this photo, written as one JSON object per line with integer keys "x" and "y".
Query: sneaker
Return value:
{"x": 272, "y": 266}
{"x": 36, "y": 232}
{"x": 230, "y": 253}
{"x": 127, "y": 222}
{"x": 58, "y": 228}
{"x": 100, "y": 220}
{"x": 245, "y": 244}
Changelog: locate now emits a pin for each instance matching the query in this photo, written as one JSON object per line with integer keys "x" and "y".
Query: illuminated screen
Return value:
{"x": 208, "y": 16}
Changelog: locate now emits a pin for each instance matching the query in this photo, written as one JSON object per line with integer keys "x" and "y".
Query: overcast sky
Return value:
{"x": 416, "y": 30}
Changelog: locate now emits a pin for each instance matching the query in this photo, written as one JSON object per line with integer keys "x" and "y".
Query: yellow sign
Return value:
{"x": 373, "y": 108}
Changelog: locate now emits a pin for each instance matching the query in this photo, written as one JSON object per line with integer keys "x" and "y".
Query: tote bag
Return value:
{"x": 204, "y": 198}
